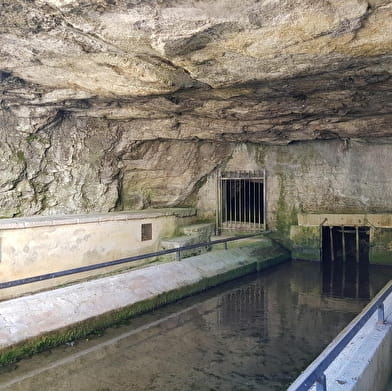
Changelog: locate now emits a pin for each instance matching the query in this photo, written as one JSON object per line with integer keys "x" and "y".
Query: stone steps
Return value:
{"x": 191, "y": 234}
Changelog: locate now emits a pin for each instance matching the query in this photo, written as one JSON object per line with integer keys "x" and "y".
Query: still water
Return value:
{"x": 256, "y": 333}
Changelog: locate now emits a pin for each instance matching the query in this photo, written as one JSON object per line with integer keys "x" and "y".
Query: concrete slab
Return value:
{"x": 31, "y": 323}
{"x": 365, "y": 363}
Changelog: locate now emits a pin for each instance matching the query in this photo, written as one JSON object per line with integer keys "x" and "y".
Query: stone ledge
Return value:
{"x": 43, "y": 221}
{"x": 378, "y": 220}
{"x": 32, "y": 323}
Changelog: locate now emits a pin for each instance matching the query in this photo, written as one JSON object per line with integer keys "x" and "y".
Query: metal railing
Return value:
{"x": 315, "y": 372}
{"x": 42, "y": 277}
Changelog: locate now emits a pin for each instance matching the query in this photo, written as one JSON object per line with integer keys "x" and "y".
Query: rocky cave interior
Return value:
{"x": 111, "y": 105}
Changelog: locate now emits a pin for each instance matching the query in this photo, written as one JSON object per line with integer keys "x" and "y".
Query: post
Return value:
{"x": 225, "y": 245}
{"x": 218, "y": 214}
{"x": 264, "y": 200}
{"x": 321, "y": 383}
{"x": 357, "y": 243}
{"x": 331, "y": 242}
{"x": 178, "y": 255}
{"x": 380, "y": 314}
{"x": 343, "y": 245}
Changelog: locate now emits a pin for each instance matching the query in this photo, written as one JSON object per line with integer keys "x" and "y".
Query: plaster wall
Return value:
{"x": 40, "y": 245}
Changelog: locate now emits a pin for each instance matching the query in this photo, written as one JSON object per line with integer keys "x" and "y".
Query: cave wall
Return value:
{"x": 334, "y": 176}
{"x": 83, "y": 165}
{"x": 74, "y": 164}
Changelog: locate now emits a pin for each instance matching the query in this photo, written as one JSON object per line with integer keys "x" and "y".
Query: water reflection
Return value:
{"x": 257, "y": 333}
{"x": 345, "y": 279}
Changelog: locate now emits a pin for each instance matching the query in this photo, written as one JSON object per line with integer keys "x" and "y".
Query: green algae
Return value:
{"x": 98, "y": 324}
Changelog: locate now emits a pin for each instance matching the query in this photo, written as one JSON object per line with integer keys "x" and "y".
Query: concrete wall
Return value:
{"x": 336, "y": 176}
{"x": 39, "y": 245}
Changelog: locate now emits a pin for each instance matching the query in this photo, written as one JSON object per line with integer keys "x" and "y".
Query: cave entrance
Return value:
{"x": 241, "y": 201}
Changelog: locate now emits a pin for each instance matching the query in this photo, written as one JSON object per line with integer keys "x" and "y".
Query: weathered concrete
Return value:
{"x": 31, "y": 323}
{"x": 39, "y": 245}
{"x": 365, "y": 364}
{"x": 192, "y": 234}
{"x": 305, "y": 242}
{"x": 305, "y": 237}
{"x": 377, "y": 220}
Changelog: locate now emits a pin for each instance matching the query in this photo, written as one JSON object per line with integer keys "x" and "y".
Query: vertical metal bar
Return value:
{"x": 357, "y": 243}
{"x": 380, "y": 314}
{"x": 264, "y": 200}
{"x": 249, "y": 175}
{"x": 225, "y": 245}
{"x": 240, "y": 200}
{"x": 321, "y": 383}
{"x": 343, "y": 245}
{"x": 235, "y": 200}
{"x": 218, "y": 216}
{"x": 260, "y": 203}
{"x": 230, "y": 202}
{"x": 178, "y": 255}
{"x": 254, "y": 203}
{"x": 331, "y": 243}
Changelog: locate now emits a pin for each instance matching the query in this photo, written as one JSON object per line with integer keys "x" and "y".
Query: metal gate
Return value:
{"x": 241, "y": 200}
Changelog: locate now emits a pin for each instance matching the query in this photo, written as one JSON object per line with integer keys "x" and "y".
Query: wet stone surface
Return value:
{"x": 256, "y": 333}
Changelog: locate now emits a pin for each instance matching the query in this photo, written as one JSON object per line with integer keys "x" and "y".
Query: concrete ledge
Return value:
{"x": 379, "y": 220}
{"x": 38, "y": 245}
{"x": 33, "y": 323}
{"x": 365, "y": 363}
{"x": 45, "y": 221}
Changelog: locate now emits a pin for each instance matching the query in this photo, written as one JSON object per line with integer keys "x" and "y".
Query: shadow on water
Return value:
{"x": 256, "y": 333}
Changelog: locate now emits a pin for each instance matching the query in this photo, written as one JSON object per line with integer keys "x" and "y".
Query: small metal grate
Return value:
{"x": 146, "y": 232}
{"x": 241, "y": 200}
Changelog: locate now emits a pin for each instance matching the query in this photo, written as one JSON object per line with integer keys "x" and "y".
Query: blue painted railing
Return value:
{"x": 314, "y": 374}
{"x": 42, "y": 277}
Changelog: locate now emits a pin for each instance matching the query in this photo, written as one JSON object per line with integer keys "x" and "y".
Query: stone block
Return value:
{"x": 380, "y": 251}
{"x": 305, "y": 242}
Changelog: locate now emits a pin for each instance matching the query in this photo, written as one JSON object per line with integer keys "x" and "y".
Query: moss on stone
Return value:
{"x": 286, "y": 214}
{"x": 20, "y": 156}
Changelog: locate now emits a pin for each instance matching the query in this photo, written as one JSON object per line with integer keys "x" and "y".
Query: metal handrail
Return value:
{"x": 314, "y": 373}
{"x": 42, "y": 277}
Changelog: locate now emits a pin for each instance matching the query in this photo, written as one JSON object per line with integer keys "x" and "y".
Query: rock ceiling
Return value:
{"x": 271, "y": 71}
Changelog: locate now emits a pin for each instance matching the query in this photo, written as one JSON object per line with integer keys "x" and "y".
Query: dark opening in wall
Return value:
{"x": 345, "y": 261}
{"x": 242, "y": 200}
{"x": 146, "y": 232}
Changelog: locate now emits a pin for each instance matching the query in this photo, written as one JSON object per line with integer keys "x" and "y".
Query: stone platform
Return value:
{"x": 36, "y": 322}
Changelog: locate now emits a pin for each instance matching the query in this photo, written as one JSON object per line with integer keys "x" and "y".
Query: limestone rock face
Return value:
{"x": 126, "y": 103}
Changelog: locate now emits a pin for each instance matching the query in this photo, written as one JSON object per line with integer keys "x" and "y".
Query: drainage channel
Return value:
{"x": 256, "y": 333}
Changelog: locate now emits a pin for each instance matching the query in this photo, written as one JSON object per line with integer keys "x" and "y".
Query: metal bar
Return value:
{"x": 238, "y": 178}
{"x": 81, "y": 269}
{"x": 225, "y": 245}
{"x": 321, "y": 383}
{"x": 218, "y": 215}
{"x": 265, "y": 200}
{"x": 254, "y": 204}
{"x": 178, "y": 255}
{"x": 235, "y": 200}
{"x": 357, "y": 243}
{"x": 249, "y": 219}
{"x": 343, "y": 245}
{"x": 321, "y": 363}
{"x": 331, "y": 243}
{"x": 259, "y": 202}
{"x": 380, "y": 314}
{"x": 230, "y": 204}
{"x": 240, "y": 200}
